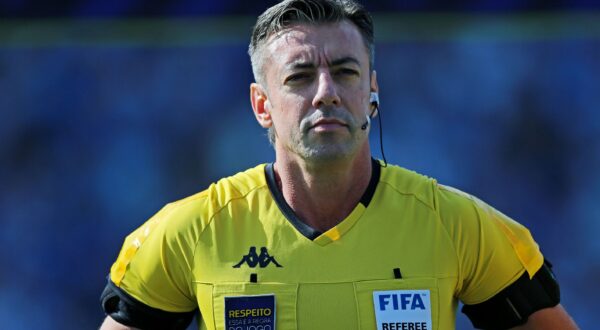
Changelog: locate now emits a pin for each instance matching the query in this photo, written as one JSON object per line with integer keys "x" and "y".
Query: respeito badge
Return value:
{"x": 250, "y": 312}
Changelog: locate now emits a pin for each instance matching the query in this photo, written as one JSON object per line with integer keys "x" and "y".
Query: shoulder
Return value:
{"x": 176, "y": 228}
{"x": 205, "y": 204}
{"x": 461, "y": 210}
{"x": 455, "y": 204}
{"x": 453, "y": 207}
{"x": 474, "y": 224}
{"x": 441, "y": 198}
{"x": 410, "y": 184}
{"x": 492, "y": 249}
{"x": 186, "y": 219}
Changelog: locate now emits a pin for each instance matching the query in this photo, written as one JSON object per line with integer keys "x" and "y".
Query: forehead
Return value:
{"x": 315, "y": 43}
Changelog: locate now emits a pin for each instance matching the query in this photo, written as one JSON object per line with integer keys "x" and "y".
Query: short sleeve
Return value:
{"x": 156, "y": 261}
{"x": 492, "y": 250}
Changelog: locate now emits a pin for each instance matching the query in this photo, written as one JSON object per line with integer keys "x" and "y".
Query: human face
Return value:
{"x": 317, "y": 91}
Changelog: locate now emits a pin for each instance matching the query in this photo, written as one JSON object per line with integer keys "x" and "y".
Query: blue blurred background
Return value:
{"x": 110, "y": 109}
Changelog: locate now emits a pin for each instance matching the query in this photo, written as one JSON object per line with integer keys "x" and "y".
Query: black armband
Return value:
{"x": 128, "y": 311}
{"x": 513, "y": 305}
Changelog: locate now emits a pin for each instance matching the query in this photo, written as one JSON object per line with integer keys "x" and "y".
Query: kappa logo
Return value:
{"x": 253, "y": 259}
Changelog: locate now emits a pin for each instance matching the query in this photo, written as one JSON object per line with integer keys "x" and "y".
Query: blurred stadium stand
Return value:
{"x": 110, "y": 109}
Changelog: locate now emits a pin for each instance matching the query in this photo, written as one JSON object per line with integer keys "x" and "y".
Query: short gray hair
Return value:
{"x": 290, "y": 12}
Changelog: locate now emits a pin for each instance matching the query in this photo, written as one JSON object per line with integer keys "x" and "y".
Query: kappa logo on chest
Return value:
{"x": 253, "y": 259}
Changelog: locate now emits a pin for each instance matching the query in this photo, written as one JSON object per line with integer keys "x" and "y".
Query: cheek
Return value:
{"x": 288, "y": 109}
{"x": 357, "y": 102}
{"x": 294, "y": 108}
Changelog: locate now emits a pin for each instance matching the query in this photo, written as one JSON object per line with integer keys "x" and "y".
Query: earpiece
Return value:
{"x": 375, "y": 104}
{"x": 374, "y": 99}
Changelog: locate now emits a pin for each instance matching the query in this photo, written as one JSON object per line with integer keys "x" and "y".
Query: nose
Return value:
{"x": 326, "y": 91}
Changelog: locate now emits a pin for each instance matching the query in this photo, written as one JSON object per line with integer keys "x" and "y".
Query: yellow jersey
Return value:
{"x": 404, "y": 257}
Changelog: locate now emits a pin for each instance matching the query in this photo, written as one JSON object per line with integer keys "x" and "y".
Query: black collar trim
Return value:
{"x": 375, "y": 175}
{"x": 287, "y": 211}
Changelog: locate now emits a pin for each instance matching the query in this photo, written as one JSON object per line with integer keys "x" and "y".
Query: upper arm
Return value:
{"x": 502, "y": 277}
{"x": 156, "y": 260}
{"x": 553, "y": 318}
{"x": 110, "y": 324}
{"x": 493, "y": 250}
{"x": 151, "y": 283}
{"x": 517, "y": 303}
{"x": 125, "y": 309}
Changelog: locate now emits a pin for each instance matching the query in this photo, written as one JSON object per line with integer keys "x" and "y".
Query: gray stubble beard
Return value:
{"x": 323, "y": 151}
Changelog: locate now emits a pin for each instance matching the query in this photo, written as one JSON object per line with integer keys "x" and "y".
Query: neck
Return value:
{"x": 322, "y": 194}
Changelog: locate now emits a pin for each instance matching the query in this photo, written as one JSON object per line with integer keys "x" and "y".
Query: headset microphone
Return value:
{"x": 367, "y": 123}
{"x": 375, "y": 104}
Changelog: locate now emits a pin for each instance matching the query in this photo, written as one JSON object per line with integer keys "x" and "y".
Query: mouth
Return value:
{"x": 327, "y": 124}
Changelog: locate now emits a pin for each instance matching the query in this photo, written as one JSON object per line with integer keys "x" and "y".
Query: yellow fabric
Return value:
{"x": 492, "y": 249}
{"x": 443, "y": 240}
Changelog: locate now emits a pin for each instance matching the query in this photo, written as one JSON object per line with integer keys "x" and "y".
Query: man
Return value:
{"x": 345, "y": 242}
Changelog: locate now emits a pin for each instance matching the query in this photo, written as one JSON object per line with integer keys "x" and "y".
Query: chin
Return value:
{"x": 328, "y": 153}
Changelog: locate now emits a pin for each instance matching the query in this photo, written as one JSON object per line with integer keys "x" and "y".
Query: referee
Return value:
{"x": 327, "y": 237}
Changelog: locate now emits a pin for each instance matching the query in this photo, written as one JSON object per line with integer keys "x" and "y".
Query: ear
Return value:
{"x": 260, "y": 105}
{"x": 374, "y": 88}
{"x": 374, "y": 84}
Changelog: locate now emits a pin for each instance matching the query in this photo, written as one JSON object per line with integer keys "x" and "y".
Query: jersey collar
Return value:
{"x": 291, "y": 216}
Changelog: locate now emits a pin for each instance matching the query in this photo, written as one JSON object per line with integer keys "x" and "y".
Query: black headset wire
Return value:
{"x": 385, "y": 163}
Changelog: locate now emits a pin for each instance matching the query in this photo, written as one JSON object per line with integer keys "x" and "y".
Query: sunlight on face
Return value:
{"x": 318, "y": 84}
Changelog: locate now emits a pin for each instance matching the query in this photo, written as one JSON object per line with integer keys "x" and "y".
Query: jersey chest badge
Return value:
{"x": 402, "y": 310}
{"x": 253, "y": 259}
{"x": 250, "y": 312}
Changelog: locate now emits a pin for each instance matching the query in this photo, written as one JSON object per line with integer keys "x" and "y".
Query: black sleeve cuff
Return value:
{"x": 513, "y": 305}
{"x": 128, "y": 311}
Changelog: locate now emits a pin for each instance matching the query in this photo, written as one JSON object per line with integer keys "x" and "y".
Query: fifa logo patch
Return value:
{"x": 402, "y": 309}
{"x": 401, "y": 301}
{"x": 253, "y": 259}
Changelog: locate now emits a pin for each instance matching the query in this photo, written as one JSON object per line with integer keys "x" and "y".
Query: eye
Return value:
{"x": 297, "y": 77}
{"x": 346, "y": 72}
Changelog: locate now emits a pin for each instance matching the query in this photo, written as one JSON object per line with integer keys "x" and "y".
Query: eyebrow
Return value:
{"x": 345, "y": 60}
{"x": 337, "y": 62}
